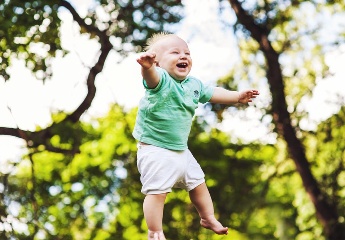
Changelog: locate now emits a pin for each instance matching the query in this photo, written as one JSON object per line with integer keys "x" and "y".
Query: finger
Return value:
{"x": 150, "y": 55}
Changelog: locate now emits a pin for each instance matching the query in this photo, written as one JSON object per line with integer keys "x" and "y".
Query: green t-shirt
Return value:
{"x": 165, "y": 113}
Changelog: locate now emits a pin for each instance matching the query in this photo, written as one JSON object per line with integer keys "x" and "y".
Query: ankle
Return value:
{"x": 210, "y": 217}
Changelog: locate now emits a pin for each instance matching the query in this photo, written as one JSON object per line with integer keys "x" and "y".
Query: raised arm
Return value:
{"x": 148, "y": 69}
{"x": 223, "y": 96}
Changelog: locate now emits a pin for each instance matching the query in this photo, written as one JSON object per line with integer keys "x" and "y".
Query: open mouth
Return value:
{"x": 182, "y": 65}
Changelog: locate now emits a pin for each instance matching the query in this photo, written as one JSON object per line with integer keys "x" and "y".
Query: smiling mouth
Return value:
{"x": 182, "y": 65}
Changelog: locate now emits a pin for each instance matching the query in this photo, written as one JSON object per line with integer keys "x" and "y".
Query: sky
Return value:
{"x": 27, "y": 103}
{"x": 119, "y": 82}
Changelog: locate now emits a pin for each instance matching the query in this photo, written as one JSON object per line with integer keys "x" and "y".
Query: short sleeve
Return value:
{"x": 161, "y": 74}
{"x": 206, "y": 93}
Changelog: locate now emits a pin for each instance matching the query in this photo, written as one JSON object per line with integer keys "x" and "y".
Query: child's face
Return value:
{"x": 173, "y": 55}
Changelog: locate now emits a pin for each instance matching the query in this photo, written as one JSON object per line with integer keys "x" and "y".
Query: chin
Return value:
{"x": 181, "y": 78}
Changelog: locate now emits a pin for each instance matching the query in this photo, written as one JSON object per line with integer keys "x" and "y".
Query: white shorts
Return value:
{"x": 162, "y": 169}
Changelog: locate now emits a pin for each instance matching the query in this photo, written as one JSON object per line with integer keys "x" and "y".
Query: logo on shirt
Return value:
{"x": 196, "y": 93}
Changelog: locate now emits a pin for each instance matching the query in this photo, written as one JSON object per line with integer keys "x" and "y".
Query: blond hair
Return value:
{"x": 155, "y": 38}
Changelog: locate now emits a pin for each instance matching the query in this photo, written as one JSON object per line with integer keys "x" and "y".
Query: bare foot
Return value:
{"x": 156, "y": 235}
{"x": 212, "y": 224}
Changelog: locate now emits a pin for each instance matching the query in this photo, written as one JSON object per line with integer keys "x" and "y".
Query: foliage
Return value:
{"x": 281, "y": 47}
{"x": 96, "y": 193}
{"x": 68, "y": 179}
{"x": 77, "y": 197}
{"x": 28, "y": 25}
{"x": 81, "y": 180}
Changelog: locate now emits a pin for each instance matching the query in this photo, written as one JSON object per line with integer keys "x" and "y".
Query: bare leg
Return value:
{"x": 202, "y": 201}
{"x": 153, "y": 212}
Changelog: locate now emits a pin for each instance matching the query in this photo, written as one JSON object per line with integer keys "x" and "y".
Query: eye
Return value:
{"x": 175, "y": 52}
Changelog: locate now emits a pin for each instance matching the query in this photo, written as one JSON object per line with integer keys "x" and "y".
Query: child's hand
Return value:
{"x": 247, "y": 96}
{"x": 147, "y": 59}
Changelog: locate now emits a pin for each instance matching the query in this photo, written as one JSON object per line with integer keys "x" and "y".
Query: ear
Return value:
{"x": 157, "y": 63}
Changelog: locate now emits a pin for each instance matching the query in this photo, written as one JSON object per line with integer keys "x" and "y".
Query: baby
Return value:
{"x": 162, "y": 128}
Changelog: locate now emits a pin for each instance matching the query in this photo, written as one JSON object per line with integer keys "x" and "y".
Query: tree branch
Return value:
{"x": 326, "y": 213}
{"x": 40, "y": 137}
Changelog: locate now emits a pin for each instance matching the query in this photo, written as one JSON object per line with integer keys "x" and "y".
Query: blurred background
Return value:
{"x": 69, "y": 90}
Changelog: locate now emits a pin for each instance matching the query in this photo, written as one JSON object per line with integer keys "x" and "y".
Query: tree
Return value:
{"x": 64, "y": 181}
{"x": 271, "y": 32}
{"x": 131, "y": 22}
{"x": 29, "y": 24}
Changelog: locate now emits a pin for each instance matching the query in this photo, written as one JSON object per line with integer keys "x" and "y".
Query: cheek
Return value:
{"x": 167, "y": 63}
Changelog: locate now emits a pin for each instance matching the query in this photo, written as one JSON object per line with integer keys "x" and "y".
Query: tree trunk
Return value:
{"x": 326, "y": 212}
